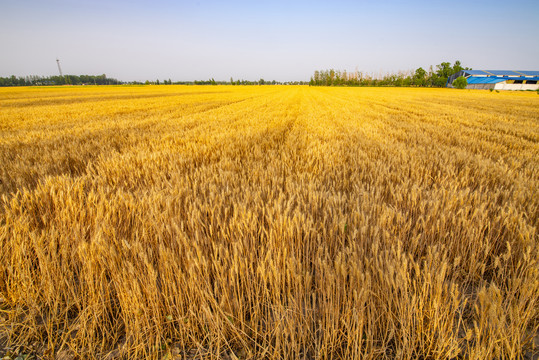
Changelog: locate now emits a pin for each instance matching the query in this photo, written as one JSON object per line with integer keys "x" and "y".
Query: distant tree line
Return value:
{"x": 212, "y": 81}
{"x": 34, "y": 80}
{"x": 419, "y": 77}
{"x": 247, "y": 82}
{"x": 104, "y": 80}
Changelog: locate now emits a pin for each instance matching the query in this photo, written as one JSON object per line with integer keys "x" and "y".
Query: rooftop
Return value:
{"x": 502, "y": 72}
{"x": 495, "y": 79}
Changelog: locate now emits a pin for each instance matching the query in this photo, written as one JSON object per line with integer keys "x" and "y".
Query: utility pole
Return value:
{"x": 59, "y": 68}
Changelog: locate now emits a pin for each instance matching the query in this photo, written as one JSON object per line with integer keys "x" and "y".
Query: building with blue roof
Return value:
{"x": 498, "y": 79}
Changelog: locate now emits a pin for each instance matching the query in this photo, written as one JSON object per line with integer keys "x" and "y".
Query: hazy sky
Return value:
{"x": 281, "y": 40}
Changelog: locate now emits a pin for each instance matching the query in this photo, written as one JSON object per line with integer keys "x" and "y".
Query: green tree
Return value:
{"x": 460, "y": 82}
{"x": 440, "y": 82}
{"x": 457, "y": 67}
{"x": 444, "y": 69}
{"x": 316, "y": 79}
{"x": 419, "y": 77}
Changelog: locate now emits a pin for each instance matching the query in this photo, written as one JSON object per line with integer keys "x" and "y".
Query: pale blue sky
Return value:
{"x": 281, "y": 40}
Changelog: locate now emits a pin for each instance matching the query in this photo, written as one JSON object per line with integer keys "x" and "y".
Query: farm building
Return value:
{"x": 498, "y": 79}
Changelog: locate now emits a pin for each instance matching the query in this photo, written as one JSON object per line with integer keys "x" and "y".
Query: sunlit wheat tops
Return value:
{"x": 268, "y": 223}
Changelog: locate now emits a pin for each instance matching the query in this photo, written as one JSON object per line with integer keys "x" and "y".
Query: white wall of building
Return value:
{"x": 504, "y": 86}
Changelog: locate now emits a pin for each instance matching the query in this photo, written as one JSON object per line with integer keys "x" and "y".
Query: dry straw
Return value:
{"x": 268, "y": 223}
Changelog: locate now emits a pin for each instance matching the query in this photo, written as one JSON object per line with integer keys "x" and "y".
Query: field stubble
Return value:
{"x": 269, "y": 222}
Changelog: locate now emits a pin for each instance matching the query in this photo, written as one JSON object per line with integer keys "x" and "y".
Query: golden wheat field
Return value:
{"x": 268, "y": 222}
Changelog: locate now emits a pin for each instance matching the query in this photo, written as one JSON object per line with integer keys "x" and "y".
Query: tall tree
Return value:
{"x": 457, "y": 67}
{"x": 444, "y": 69}
{"x": 419, "y": 77}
